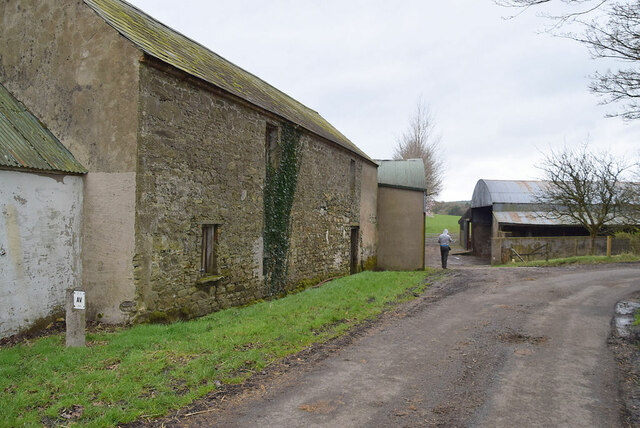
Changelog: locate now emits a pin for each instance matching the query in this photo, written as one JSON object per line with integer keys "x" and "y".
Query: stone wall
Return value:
{"x": 40, "y": 223}
{"x": 80, "y": 78}
{"x": 325, "y": 209}
{"x": 201, "y": 160}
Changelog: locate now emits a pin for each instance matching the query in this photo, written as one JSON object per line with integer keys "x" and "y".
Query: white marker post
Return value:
{"x": 76, "y": 318}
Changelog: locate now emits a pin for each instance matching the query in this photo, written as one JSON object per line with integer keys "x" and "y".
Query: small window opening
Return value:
{"x": 352, "y": 177}
{"x": 210, "y": 234}
{"x": 273, "y": 151}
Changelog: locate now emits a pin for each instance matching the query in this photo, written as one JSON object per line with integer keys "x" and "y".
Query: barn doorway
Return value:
{"x": 355, "y": 235}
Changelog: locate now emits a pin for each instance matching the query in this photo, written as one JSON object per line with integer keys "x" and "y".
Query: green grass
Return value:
{"x": 148, "y": 370}
{"x": 585, "y": 260}
{"x": 439, "y": 222}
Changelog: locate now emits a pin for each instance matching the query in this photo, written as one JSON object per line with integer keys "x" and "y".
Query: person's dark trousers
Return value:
{"x": 444, "y": 255}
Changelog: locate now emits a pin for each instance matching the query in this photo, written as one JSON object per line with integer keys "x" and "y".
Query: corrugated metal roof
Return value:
{"x": 532, "y": 218}
{"x": 171, "y": 47}
{"x": 408, "y": 174}
{"x": 27, "y": 143}
{"x": 489, "y": 192}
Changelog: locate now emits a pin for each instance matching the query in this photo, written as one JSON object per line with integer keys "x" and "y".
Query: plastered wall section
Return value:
{"x": 80, "y": 78}
{"x": 400, "y": 229}
{"x": 40, "y": 224}
{"x": 369, "y": 216}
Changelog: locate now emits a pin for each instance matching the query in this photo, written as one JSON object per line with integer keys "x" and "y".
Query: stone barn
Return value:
{"x": 196, "y": 167}
{"x": 508, "y": 208}
{"x": 401, "y": 214}
{"x": 40, "y": 220}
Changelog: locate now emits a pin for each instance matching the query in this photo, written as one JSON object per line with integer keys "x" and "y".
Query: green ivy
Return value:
{"x": 279, "y": 192}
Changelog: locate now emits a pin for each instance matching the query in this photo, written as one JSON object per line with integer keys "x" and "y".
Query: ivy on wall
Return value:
{"x": 279, "y": 192}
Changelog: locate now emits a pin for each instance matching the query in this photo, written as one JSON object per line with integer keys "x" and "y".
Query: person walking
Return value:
{"x": 445, "y": 241}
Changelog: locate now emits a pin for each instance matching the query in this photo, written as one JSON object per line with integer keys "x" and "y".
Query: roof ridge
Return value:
{"x": 194, "y": 41}
{"x": 174, "y": 48}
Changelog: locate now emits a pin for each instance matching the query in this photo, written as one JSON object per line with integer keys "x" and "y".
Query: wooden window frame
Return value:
{"x": 272, "y": 145}
{"x": 209, "y": 249}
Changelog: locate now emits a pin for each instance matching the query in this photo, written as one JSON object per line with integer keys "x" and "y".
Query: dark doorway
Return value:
{"x": 354, "y": 249}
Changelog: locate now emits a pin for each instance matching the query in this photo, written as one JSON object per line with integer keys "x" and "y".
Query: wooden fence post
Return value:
{"x": 608, "y": 246}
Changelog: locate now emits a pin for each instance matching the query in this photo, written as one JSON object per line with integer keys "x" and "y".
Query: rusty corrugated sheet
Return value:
{"x": 27, "y": 143}
{"x": 489, "y": 192}
{"x": 532, "y": 218}
{"x": 171, "y": 47}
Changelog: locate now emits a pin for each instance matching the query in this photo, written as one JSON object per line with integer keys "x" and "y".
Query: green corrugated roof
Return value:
{"x": 406, "y": 174}
{"x": 27, "y": 143}
{"x": 171, "y": 47}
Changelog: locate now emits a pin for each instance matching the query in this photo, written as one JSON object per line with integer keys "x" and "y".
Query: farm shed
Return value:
{"x": 508, "y": 208}
{"x": 40, "y": 220}
{"x": 179, "y": 143}
{"x": 401, "y": 214}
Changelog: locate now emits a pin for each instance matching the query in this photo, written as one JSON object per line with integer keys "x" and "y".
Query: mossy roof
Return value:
{"x": 171, "y": 47}
{"x": 25, "y": 143}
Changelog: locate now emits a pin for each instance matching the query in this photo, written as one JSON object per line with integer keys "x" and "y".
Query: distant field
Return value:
{"x": 439, "y": 222}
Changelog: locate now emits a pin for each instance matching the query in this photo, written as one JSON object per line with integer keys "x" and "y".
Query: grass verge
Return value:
{"x": 149, "y": 370}
{"x": 585, "y": 260}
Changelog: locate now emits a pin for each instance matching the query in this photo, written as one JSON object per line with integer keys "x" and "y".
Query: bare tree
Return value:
{"x": 587, "y": 188}
{"x": 611, "y": 29}
{"x": 633, "y": 213}
{"x": 422, "y": 141}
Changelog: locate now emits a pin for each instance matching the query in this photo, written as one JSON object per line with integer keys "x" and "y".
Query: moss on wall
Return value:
{"x": 279, "y": 193}
{"x": 371, "y": 263}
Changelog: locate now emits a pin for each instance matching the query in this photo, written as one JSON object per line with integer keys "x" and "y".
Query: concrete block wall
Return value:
{"x": 557, "y": 247}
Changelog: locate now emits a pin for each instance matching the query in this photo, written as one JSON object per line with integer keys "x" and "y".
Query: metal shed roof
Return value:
{"x": 532, "y": 218}
{"x": 171, "y": 47}
{"x": 27, "y": 143}
{"x": 489, "y": 192}
{"x": 405, "y": 174}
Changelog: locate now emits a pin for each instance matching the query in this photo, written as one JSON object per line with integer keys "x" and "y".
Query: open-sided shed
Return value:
{"x": 510, "y": 208}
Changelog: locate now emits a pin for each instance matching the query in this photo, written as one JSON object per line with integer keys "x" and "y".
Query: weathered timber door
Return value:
{"x": 354, "y": 249}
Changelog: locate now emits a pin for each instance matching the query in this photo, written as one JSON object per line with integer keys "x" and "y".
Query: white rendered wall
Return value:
{"x": 40, "y": 230}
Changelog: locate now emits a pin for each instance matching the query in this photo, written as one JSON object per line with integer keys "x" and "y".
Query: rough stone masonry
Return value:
{"x": 201, "y": 160}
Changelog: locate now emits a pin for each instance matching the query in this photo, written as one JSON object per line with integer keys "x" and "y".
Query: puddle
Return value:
{"x": 625, "y": 317}
{"x": 627, "y": 308}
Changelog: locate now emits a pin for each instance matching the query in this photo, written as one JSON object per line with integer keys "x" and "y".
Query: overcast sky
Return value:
{"x": 502, "y": 92}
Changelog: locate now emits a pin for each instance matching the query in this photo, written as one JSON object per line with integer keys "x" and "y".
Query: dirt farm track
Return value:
{"x": 482, "y": 347}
